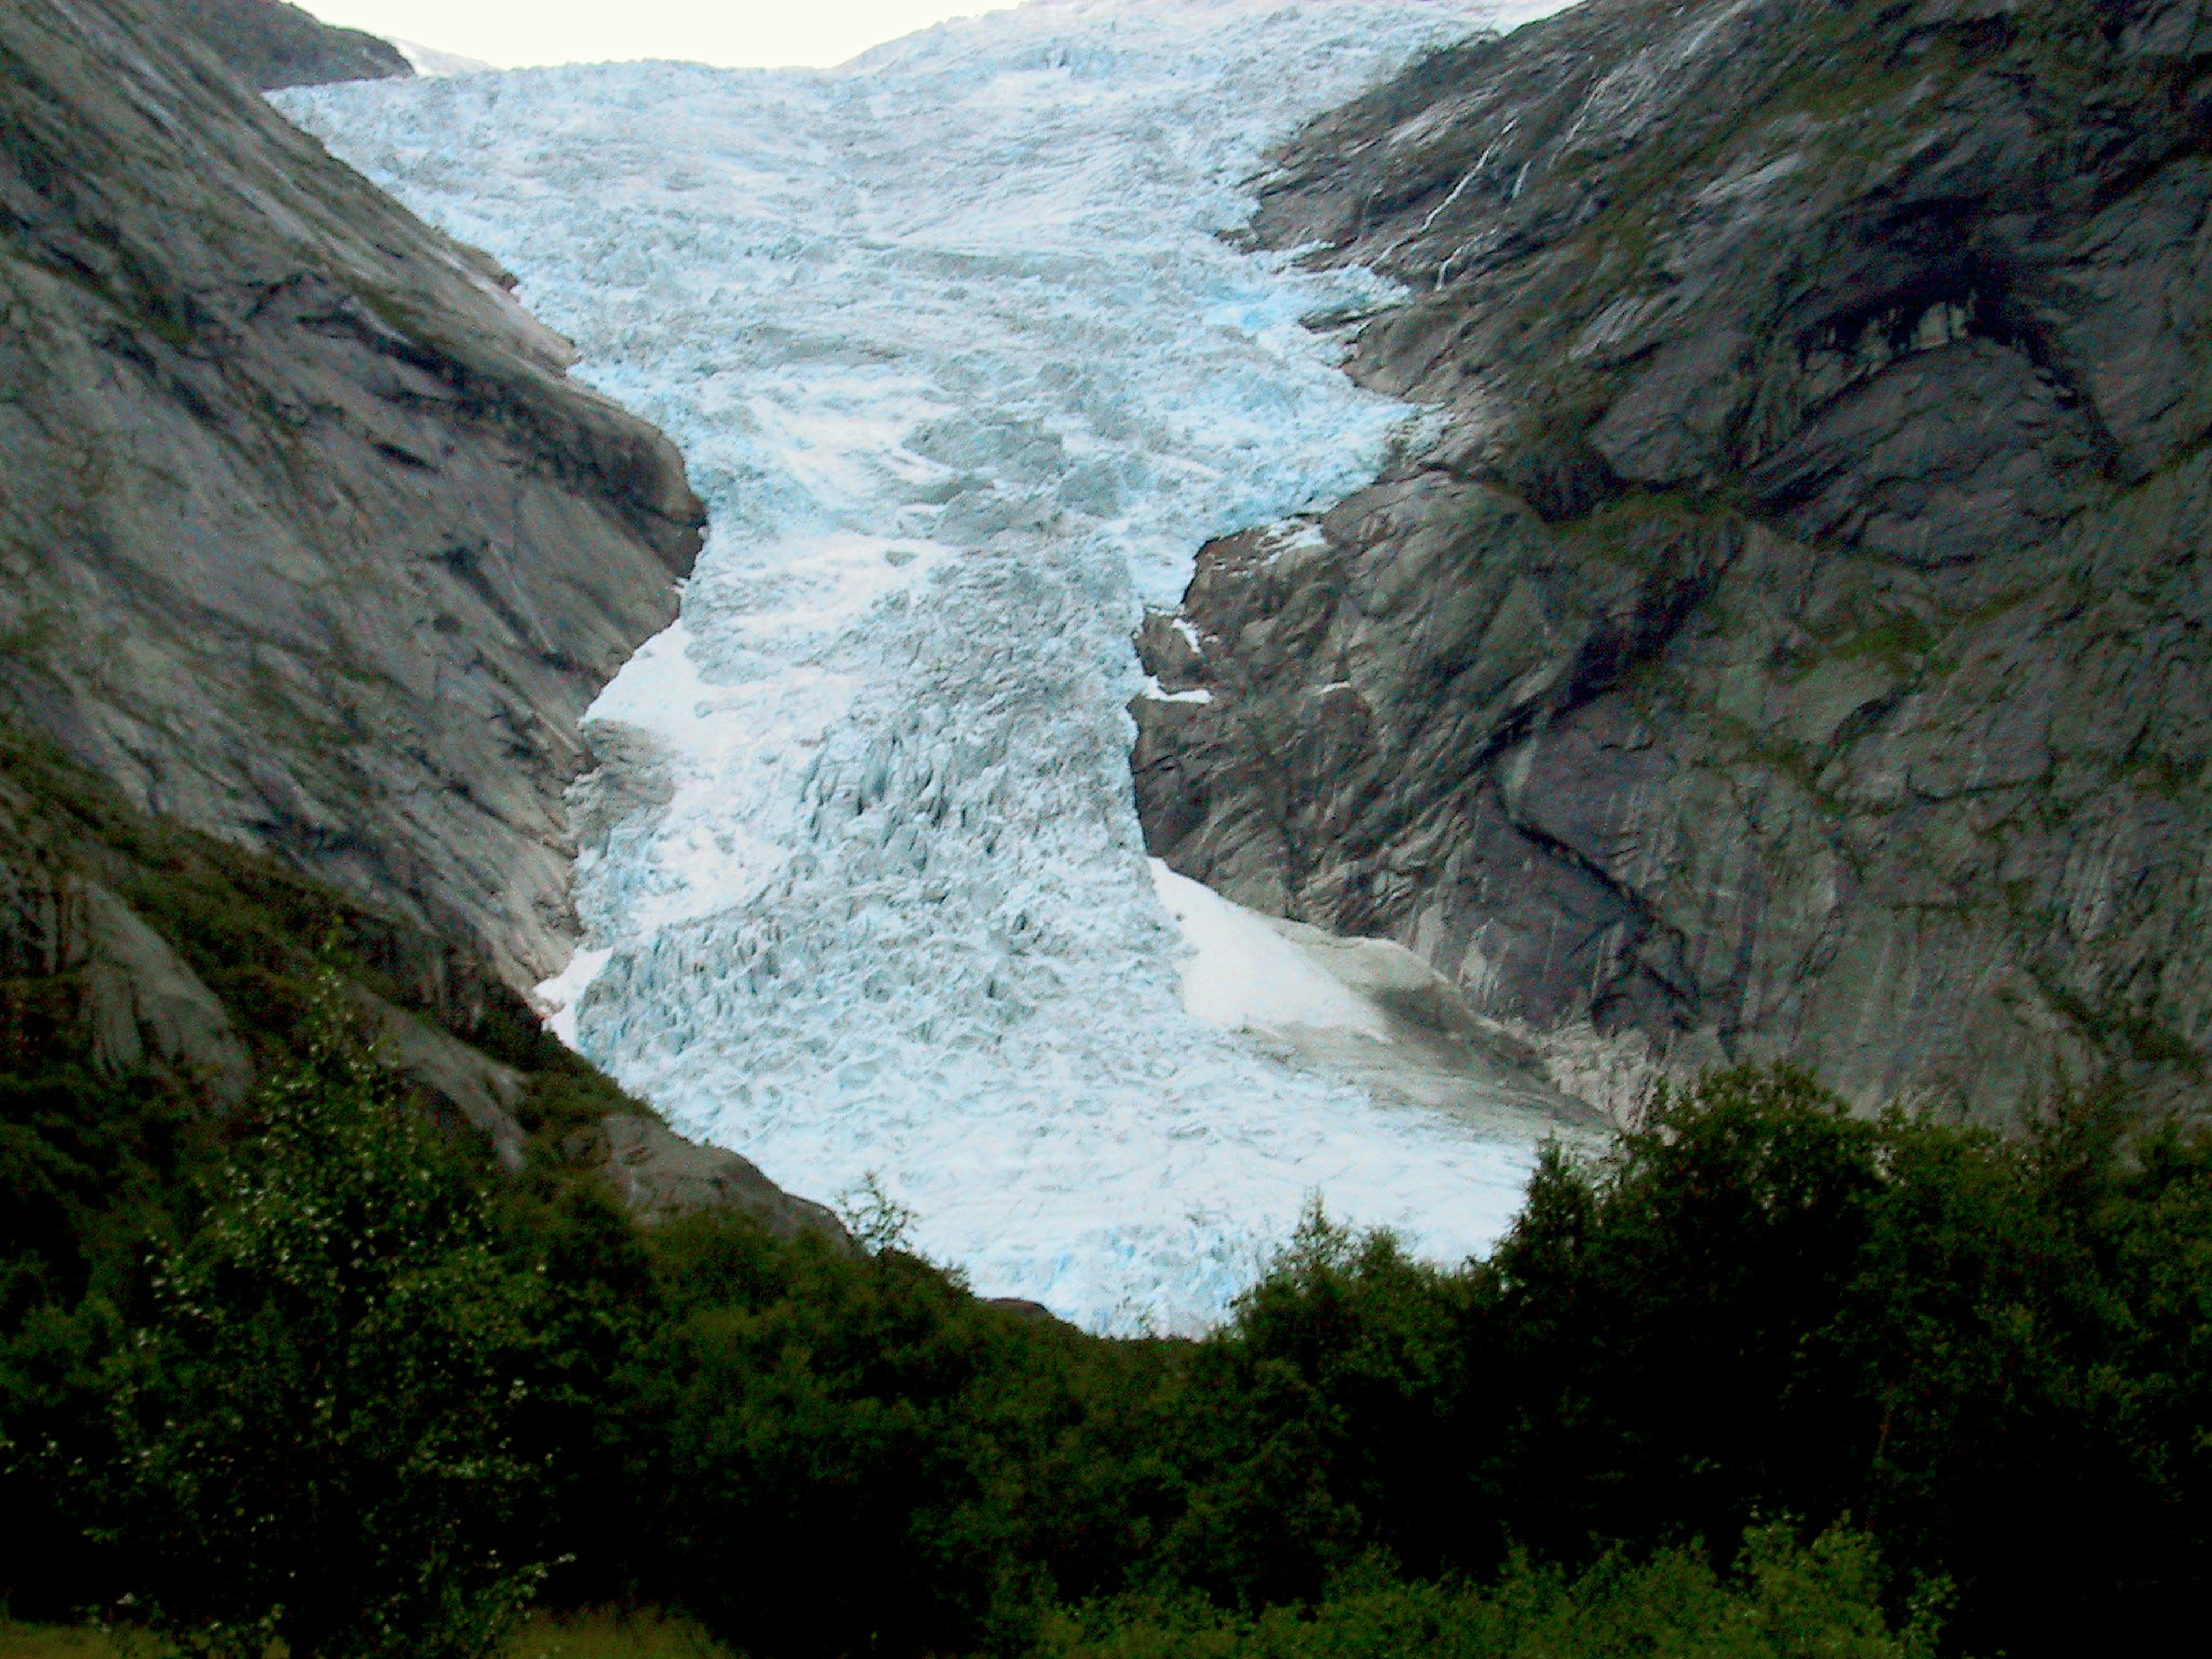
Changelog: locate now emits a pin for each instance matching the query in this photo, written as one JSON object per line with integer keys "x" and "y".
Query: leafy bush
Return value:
{"x": 312, "y": 1429}
{"x": 1994, "y": 1352}
{"x": 365, "y": 1393}
{"x": 1784, "y": 1602}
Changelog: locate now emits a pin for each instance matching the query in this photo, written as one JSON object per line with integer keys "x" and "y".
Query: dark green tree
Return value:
{"x": 314, "y": 1426}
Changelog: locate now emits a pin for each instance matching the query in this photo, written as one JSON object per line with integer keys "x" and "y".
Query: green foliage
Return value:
{"x": 1990, "y": 1351}
{"x": 601, "y": 1634}
{"x": 1641, "y": 1326}
{"x": 1784, "y": 1601}
{"x": 84, "y": 1161}
{"x": 1329, "y": 1396}
{"x": 798, "y": 1395}
{"x": 91, "y": 1179}
{"x": 312, "y": 1429}
{"x": 361, "y": 1392}
{"x": 877, "y": 1221}
{"x": 20, "y": 1641}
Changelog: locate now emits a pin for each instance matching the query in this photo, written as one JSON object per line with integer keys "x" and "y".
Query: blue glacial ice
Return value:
{"x": 966, "y": 371}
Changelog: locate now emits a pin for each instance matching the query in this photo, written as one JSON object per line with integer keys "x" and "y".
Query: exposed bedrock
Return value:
{"x": 139, "y": 955}
{"x": 270, "y": 45}
{"x": 1796, "y": 643}
{"x": 306, "y": 539}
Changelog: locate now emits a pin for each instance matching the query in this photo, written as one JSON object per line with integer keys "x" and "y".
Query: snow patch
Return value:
{"x": 559, "y": 996}
{"x": 1153, "y": 691}
{"x": 1242, "y": 975}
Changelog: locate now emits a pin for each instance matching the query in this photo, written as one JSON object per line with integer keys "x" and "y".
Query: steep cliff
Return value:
{"x": 305, "y": 538}
{"x": 1789, "y": 638}
{"x": 151, "y": 975}
{"x": 269, "y": 44}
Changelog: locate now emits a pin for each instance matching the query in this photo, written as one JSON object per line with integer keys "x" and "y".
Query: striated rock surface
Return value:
{"x": 269, "y": 44}
{"x": 305, "y": 538}
{"x": 1789, "y": 639}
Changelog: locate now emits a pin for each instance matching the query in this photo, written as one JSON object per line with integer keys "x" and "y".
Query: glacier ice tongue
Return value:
{"x": 966, "y": 370}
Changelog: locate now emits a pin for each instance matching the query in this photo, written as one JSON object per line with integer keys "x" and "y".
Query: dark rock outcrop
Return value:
{"x": 269, "y": 44}
{"x": 1793, "y": 641}
{"x": 305, "y": 538}
{"x": 659, "y": 1174}
{"x": 139, "y": 954}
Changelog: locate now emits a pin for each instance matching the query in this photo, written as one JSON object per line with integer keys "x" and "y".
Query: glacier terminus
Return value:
{"x": 965, "y": 360}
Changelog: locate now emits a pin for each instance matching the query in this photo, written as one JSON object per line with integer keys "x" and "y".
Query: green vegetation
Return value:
{"x": 1782, "y": 1600}
{"x": 363, "y": 1387}
{"x": 311, "y": 1434}
{"x": 598, "y": 1634}
{"x": 307, "y": 1375}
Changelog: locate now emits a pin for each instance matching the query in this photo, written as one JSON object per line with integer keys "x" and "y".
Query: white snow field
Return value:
{"x": 966, "y": 373}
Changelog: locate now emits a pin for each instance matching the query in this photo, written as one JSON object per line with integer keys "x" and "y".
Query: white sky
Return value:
{"x": 766, "y": 32}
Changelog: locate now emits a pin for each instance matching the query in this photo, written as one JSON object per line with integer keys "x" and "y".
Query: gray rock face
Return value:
{"x": 659, "y": 1174}
{"x": 137, "y": 1002}
{"x": 305, "y": 538}
{"x": 1795, "y": 645}
{"x": 142, "y": 1002}
{"x": 269, "y": 44}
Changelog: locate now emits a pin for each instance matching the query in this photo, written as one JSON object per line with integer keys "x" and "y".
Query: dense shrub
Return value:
{"x": 1956, "y": 1358}
{"x": 309, "y": 1437}
{"x": 92, "y": 1177}
{"x": 1991, "y": 1351}
{"x": 1784, "y": 1601}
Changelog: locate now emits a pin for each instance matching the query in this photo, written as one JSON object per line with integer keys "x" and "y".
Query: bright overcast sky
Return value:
{"x": 769, "y": 32}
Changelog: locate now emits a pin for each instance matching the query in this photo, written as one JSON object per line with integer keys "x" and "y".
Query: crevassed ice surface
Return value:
{"x": 966, "y": 373}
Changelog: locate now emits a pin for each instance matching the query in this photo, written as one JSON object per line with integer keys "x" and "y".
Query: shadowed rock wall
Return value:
{"x": 269, "y": 44}
{"x": 305, "y": 538}
{"x": 143, "y": 962}
{"x": 1796, "y": 643}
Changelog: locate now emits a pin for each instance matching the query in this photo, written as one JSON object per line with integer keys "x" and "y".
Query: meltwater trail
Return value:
{"x": 966, "y": 372}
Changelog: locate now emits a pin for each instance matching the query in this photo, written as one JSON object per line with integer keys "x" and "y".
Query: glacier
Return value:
{"x": 965, "y": 361}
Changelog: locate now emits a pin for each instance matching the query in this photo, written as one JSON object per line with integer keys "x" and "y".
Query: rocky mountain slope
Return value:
{"x": 310, "y": 560}
{"x": 151, "y": 976}
{"x": 306, "y": 540}
{"x": 269, "y": 44}
{"x": 1791, "y": 640}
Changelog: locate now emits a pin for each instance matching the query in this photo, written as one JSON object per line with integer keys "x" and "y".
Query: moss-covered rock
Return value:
{"x": 142, "y": 960}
